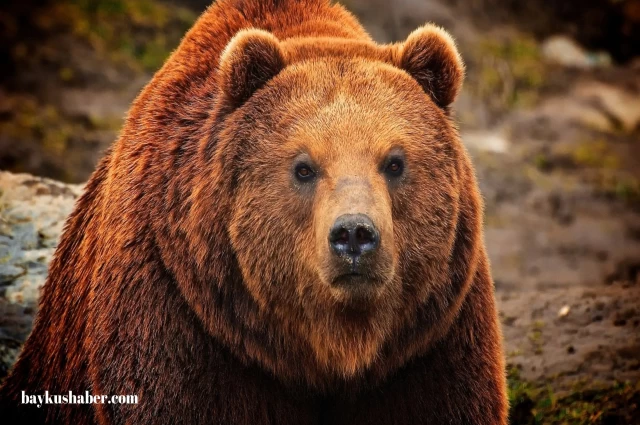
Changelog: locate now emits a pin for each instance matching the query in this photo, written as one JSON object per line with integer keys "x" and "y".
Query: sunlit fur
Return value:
{"x": 195, "y": 270}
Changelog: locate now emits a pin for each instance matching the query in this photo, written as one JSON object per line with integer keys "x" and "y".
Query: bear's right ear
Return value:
{"x": 251, "y": 58}
{"x": 431, "y": 57}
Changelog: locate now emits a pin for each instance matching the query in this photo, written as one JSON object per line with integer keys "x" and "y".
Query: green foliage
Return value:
{"x": 137, "y": 33}
{"x": 510, "y": 71}
{"x": 533, "y": 405}
{"x": 596, "y": 154}
{"x": 34, "y": 121}
{"x": 541, "y": 162}
{"x": 628, "y": 190}
{"x": 607, "y": 173}
{"x": 535, "y": 336}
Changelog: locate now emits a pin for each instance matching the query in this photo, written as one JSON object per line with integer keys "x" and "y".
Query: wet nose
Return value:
{"x": 354, "y": 235}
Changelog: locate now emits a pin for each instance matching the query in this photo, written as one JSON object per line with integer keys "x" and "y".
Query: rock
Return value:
{"x": 25, "y": 234}
{"x": 9, "y": 273}
{"x": 621, "y": 105}
{"x": 489, "y": 141}
{"x": 576, "y": 110}
{"x": 564, "y": 311}
{"x": 33, "y": 213}
{"x": 564, "y": 51}
{"x": 15, "y": 325}
{"x": 605, "y": 107}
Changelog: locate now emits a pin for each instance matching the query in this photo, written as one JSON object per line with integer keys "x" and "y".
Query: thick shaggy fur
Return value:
{"x": 195, "y": 272}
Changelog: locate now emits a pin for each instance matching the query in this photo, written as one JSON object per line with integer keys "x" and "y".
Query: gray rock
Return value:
{"x": 33, "y": 213}
{"x": 9, "y": 273}
{"x": 564, "y": 51}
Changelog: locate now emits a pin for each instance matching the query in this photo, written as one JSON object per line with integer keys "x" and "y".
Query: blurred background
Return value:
{"x": 550, "y": 113}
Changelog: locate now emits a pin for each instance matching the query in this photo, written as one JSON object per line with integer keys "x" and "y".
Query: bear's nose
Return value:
{"x": 354, "y": 235}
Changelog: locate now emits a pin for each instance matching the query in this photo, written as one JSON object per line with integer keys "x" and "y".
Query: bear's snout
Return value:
{"x": 354, "y": 236}
{"x": 355, "y": 252}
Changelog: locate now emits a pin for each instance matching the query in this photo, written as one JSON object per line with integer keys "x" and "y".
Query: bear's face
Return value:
{"x": 345, "y": 197}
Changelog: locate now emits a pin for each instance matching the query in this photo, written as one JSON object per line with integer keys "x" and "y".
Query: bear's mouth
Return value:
{"x": 355, "y": 278}
{"x": 357, "y": 288}
{"x": 357, "y": 296}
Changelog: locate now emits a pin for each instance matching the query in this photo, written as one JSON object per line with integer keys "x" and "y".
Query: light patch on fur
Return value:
{"x": 431, "y": 57}
{"x": 432, "y": 30}
{"x": 240, "y": 40}
{"x": 248, "y": 61}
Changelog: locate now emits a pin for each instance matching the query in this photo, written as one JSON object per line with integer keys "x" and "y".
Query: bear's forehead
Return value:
{"x": 339, "y": 60}
{"x": 305, "y": 48}
{"x": 340, "y": 74}
{"x": 351, "y": 118}
{"x": 352, "y": 131}
{"x": 353, "y": 101}
{"x": 343, "y": 89}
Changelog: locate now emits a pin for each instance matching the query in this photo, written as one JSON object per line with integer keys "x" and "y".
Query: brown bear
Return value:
{"x": 288, "y": 231}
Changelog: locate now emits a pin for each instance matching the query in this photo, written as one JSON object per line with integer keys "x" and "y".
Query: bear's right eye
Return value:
{"x": 395, "y": 167}
{"x": 304, "y": 172}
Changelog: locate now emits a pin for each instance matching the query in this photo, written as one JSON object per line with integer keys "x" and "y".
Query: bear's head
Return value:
{"x": 336, "y": 209}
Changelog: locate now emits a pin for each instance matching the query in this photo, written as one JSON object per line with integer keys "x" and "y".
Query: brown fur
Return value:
{"x": 194, "y": 271}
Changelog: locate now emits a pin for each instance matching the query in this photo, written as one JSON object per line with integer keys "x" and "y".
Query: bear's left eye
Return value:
{"x": 304, "y": 172}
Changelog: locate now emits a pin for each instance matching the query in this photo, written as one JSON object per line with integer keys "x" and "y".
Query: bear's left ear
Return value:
{"x": 430, "y": 56}
{"x": 251, "y": 58}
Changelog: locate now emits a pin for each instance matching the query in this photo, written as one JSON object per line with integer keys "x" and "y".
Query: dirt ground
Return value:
{"x": 557, "y": 155}
{"x": 563, "y": 238}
